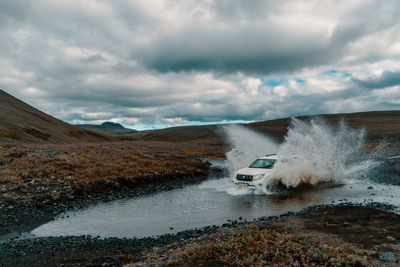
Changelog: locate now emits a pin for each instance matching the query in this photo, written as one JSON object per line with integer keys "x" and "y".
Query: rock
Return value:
{"x": 26, "y": 177}
{"x": 390, "y": 238}
{"x": 370, "y": 187}
{"x": 156, "y": 250}
{"x": 116, "y": 184}
{"x": 40, "y": 204}
{"x": 55, "y": 195}
{"x": 388, "y": 257}
{"x": 43, "y": 154}
{"x": 330, "y": 224}
{"x": 2, "y": 163}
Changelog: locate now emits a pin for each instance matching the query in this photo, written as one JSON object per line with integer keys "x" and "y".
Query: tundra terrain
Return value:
{"x": 48, "y": 166}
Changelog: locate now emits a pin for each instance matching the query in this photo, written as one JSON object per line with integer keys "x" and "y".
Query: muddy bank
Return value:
{"x": 365, "y": 231}
{"x": 16, "y": 217}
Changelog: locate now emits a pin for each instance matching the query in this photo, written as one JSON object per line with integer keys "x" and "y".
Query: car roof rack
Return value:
{"x": 273, "y": 154}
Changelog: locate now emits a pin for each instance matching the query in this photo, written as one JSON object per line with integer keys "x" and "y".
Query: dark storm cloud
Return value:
{"x": 250, "y": 51}
{"x": 154, "y": 62}
{"x": 386, "y": 79}
{"x": 16, "y": 10}
{"x": 254, "y": 39}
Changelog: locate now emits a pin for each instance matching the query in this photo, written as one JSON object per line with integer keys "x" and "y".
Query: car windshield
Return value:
{"x": 263, "y": 163}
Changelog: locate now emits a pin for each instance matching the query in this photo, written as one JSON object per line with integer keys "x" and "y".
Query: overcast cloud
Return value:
{"x": 161, "y": 63}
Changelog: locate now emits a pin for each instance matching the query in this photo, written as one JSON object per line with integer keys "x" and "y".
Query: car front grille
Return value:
{"x": 243, "y": 177}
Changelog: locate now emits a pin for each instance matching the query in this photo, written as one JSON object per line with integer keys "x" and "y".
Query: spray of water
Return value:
{"x": 247, "y": 145}
{"x": 316, "y": 153}
{"x": 321, "y": 154}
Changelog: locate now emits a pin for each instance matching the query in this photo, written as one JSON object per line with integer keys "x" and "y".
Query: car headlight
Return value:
{"x": 258, "y": 176}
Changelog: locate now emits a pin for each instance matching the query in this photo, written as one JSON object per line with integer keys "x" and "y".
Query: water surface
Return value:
{"x": 211, "y": 202}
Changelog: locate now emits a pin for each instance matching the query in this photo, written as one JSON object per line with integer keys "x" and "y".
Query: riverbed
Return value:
{"x": 212, "y": 202}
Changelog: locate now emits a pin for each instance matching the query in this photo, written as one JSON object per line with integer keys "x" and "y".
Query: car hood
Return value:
{"x": 253, "y": 171}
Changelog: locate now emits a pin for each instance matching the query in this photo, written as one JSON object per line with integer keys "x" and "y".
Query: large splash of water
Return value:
{"x": 321, "y": 153}
{"x": 317, "y": 152}
{"x": 247, "y": 145}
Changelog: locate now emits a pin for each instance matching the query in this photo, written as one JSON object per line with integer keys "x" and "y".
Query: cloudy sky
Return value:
{"x": 160, "y": 63}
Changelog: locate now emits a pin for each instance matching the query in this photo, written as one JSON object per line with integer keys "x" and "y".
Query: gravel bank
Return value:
{"x": 361, "y": 221}
{"x": 19, "y": 217}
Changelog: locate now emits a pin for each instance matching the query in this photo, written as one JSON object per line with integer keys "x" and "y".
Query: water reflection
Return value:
{"x": 212, "y": 202}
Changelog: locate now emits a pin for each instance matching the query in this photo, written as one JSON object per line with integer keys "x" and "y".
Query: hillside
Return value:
{"x": 210, "y": 134}
{"x": 21, "y": 123}
{"x": 377, "y": 123}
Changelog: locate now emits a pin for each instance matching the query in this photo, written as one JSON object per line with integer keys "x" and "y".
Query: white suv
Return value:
{"x": 256, "y": 175}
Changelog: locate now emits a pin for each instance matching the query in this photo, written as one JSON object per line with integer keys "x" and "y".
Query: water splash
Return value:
{"x": 247, "y": 145}
{"x": 321, "y": 153}
{"x": 317, "y": 152}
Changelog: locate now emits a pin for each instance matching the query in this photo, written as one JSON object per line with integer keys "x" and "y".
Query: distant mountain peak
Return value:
{"x": 110, "y": 124}
{"x": 108, "y": 127}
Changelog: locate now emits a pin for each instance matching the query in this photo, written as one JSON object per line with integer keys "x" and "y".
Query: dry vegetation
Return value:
{"x": 254, "y": 246}
{"x": 344, "y": 235}
{"x": 54, "y": 171}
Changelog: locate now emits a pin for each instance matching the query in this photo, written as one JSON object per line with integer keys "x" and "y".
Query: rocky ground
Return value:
{"x": 39, "y": 182}
{"x": 344, "y": 235}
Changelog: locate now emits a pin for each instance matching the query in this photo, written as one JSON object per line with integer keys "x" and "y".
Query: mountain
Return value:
{"x": 22, "y": 123}
{"x": 377, "y": 123}
{"x": 112, "y": 125}
{"x": 107, "y": 127}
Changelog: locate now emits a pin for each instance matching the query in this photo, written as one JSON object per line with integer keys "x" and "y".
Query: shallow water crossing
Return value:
{"x": 325, "y": 154}
{"x": 211, "y": 202}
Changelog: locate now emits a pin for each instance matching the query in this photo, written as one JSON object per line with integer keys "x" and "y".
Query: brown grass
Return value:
{"x": 7, "y": 134}
{"x": 252, "y": 246}
{"x": 50, "y": 167}
{"x": 91, "y": 162}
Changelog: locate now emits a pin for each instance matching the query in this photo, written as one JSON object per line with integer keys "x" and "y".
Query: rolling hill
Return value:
{"x": 377, "y": 123}
{"x": 22, "y": 123}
